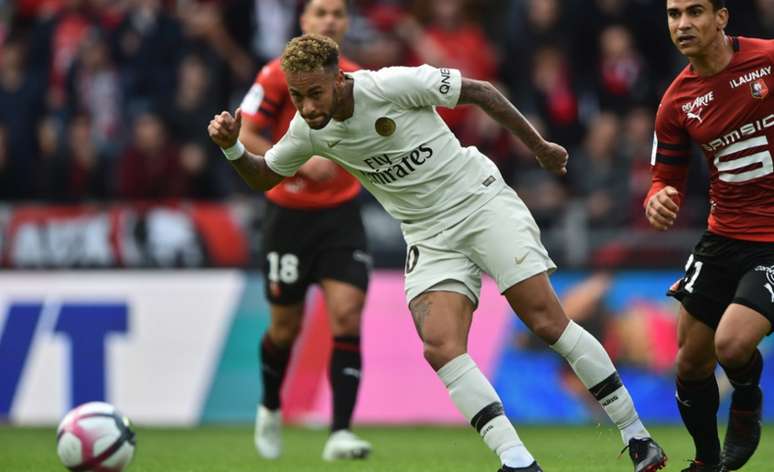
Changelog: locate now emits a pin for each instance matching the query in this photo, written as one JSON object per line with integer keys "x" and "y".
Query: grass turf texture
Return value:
{"x": 404, "y": 449}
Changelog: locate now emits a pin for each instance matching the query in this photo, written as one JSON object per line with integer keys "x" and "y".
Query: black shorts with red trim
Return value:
{"x": 303, "y": 247}
{"x": 721, "y": 271}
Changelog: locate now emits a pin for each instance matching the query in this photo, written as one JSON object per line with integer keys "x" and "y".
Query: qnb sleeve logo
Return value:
{"x": 445, "y": 81}
{"x": 85, "y": 325}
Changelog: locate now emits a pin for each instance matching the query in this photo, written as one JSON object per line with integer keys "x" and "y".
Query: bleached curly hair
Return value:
{"x": 310, "y": 53}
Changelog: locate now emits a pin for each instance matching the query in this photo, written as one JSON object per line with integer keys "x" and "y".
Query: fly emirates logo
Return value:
{"x": 387, "y": 171}
{"x": 750, "y": 77}
{"x": 693, "y": 109}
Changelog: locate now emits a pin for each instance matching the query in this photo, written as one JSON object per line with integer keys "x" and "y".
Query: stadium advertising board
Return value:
{"x": 147, "y": 341}
{"x": 627, "y": 311}
{"x": 167, "y": 236}
{"x": 180, "y": 347}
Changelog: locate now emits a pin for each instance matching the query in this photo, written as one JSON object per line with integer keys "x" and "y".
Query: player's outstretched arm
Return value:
{"x": 317, "y": 169}
{"x": 551, "y": 156}
{"x": 224, "y": 131}
{"x": 250, "y": 134}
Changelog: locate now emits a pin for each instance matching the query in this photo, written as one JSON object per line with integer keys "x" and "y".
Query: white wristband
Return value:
{"x": 234, "y": 152}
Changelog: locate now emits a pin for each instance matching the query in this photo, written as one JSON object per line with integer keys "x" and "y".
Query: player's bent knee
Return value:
{"x": 345, "y": 321}
{"x": 693, "y": 369}
{"x": 284, "y": 333}
{"x": 345, "y": 308}
{"x": 350, "y": 309}
{"x": 542, "y": 314}
{"x": 732, "y": 351}
{"x": 439, "y": 354}
{"x": 546, "y": 327}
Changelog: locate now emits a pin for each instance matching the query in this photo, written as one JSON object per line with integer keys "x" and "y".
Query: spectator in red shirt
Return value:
{"x": 451, "y": 39}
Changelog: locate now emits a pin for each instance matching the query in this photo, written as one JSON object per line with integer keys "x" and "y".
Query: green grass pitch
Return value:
{"x": 399, "y": 449}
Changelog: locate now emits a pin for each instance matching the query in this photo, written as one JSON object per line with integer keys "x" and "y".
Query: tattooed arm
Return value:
{"x": 255, "y": 172}
{"x": 551, "y": 156}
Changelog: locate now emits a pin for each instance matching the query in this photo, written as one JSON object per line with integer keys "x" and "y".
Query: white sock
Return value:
{"x": 478, "y": 402}
{"x": 594, "y": 368}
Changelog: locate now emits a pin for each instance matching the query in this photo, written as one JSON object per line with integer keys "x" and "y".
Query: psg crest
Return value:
{"x": 759, "y": 89}
{"x": 385, "y": 126}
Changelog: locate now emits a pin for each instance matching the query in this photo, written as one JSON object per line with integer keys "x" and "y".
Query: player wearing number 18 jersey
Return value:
{"x": 312, "y": 233}
{"x": 722, "y": 102}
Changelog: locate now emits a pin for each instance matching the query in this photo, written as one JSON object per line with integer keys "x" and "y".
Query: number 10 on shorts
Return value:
{"x": 282, "y": 268}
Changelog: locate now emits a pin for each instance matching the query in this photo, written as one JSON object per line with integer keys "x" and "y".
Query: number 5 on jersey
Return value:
{"x": 282, "y": 268}
{"x": 728, "y": 169}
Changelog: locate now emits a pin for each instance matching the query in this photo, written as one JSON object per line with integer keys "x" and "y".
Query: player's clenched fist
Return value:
{"x": 552, "y": 157}
{"x": 224, "y": 128}
{"x": 661, "y": 209}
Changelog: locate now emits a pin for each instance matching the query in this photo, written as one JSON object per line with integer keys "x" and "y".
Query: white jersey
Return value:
{"x": 400, "y": 149}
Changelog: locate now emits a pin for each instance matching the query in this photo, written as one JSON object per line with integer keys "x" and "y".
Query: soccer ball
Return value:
{"x": 95, "y": 437}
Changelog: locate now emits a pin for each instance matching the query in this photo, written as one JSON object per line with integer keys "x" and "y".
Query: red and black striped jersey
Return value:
{"x": 730, "y": 116}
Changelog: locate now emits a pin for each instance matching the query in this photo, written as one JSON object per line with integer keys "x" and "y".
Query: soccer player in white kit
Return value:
{"x": 458, "y": 217}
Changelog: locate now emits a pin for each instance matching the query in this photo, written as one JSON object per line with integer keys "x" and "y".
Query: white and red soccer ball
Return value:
{"x": 95, "y": 437}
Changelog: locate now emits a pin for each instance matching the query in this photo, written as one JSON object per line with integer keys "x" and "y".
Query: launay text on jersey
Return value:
{"x": 750, "y": 76}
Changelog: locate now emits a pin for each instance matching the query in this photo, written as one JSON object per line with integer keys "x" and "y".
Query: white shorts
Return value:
{"x": 501, "y": 239}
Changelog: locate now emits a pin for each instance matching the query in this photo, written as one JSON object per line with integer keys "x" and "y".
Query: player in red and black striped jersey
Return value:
{"x": 312, "y": 233}
{"x": 731, "y": 117}
{"x": 722, "y": 102}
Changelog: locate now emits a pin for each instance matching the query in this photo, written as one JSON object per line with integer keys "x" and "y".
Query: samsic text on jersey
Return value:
{"x": 730, "y": 116}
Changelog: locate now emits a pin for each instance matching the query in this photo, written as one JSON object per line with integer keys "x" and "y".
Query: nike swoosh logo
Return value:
{"x": 771, "y": 291}
{"x": 520, "y": 260}
{"x": 333, "y": 143}
{"x": 685, "y": 403}
{"x": 351, "y": 372}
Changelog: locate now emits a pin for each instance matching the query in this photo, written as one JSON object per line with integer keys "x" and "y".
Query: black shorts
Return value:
{"x": 721, "y": 271}
{"x": 301, "y": 247}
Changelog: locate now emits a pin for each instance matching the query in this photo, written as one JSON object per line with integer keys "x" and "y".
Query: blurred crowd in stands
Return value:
{"x": 109, "y": 99}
